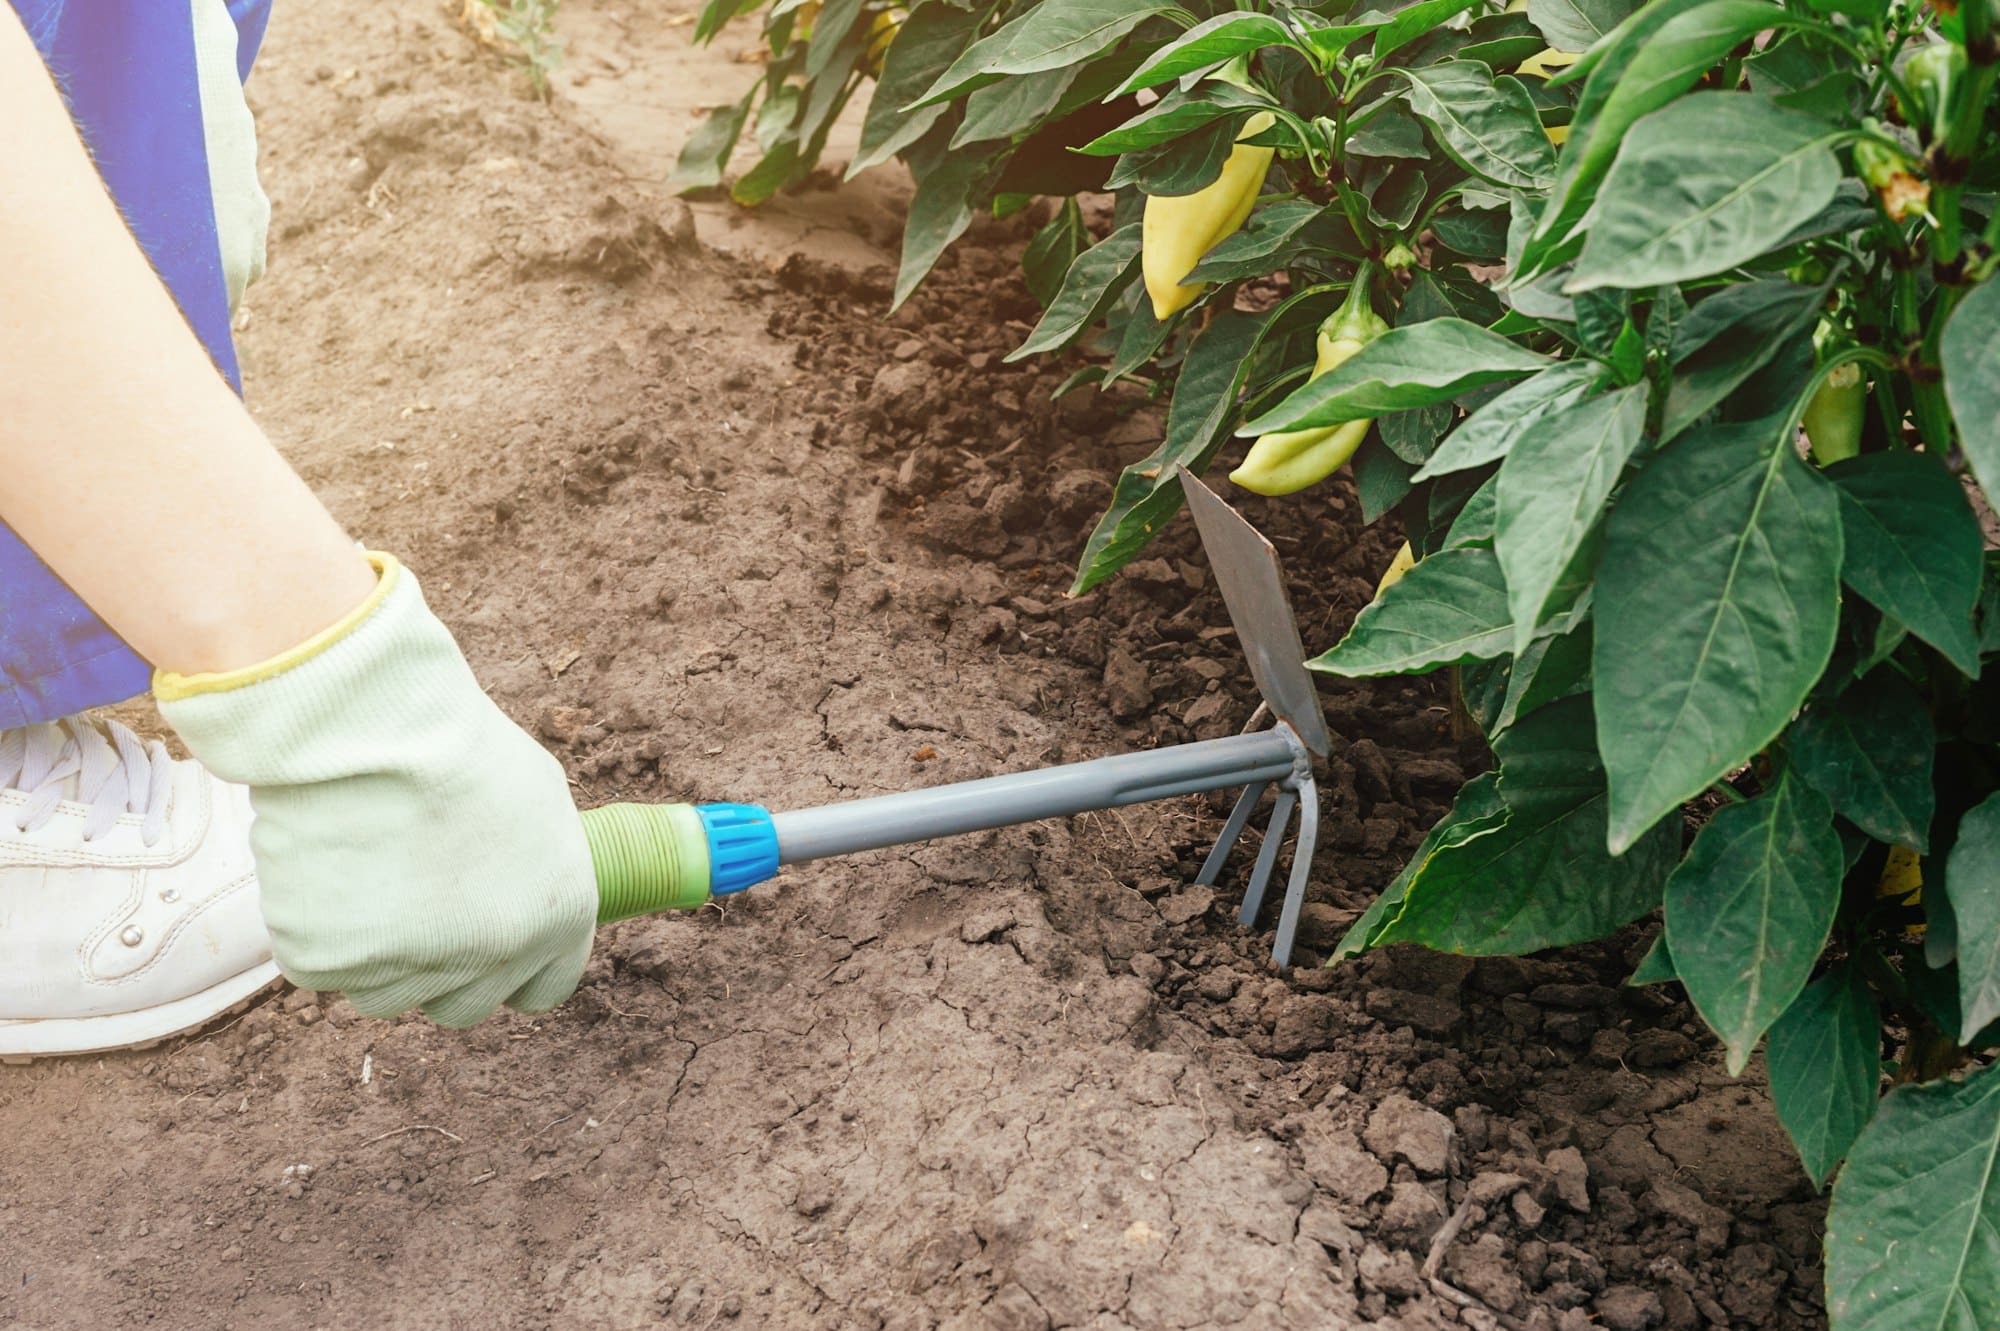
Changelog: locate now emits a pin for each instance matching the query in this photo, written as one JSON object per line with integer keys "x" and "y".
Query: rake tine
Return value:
{"x": 1302, "y": 857}
{"x": 1267, "y": 856}
{"x": 1239, "y": 817}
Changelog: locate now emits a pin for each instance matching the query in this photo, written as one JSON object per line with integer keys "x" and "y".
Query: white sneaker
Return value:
{"x": 128, "y": 898}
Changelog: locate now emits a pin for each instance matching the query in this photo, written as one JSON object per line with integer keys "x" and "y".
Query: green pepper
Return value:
{"x": 1892, "y": 176}
{"x": 1833, "y": 417}
{"x": 1934, "y": 74}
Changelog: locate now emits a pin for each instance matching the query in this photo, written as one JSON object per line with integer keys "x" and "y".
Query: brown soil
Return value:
{"x": 715, "y": 529}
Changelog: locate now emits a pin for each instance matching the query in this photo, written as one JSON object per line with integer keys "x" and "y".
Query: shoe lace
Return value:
{"x": 101, "y": 764}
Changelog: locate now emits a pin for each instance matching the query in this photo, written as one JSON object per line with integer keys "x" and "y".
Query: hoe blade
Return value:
{"x": 1246, "y": 568}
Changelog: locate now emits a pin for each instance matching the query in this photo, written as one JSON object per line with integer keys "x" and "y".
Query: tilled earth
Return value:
{"x": 716, "y": 529}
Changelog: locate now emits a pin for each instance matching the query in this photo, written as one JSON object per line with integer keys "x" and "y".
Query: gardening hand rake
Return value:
{"x": 678, "y": 856}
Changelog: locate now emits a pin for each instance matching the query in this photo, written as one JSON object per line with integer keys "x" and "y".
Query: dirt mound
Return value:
{"x": 721, "y": 532}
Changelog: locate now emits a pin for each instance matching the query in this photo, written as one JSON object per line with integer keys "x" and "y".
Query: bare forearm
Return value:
{"x": 126, "y": 462}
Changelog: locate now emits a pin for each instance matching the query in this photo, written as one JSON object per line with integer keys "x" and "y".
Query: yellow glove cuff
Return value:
{"x": 171, "y": 687}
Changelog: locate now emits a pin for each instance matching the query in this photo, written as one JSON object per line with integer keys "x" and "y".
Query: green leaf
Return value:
{"x": 1729, "y": 337}
{"x": 1555, "y": 665}
{"x": 1657, "y": 966}
{"x": 1602, "y": 70}
{"x": 834, "y": 29}
{"x": 1601, "y": 316}
{"x": 1482, "y": 690}
{"x": 1475, "y": 522}
{"x": 1749, "y": 910}
{"x": 1053, "y": 249}
{"x": 1825, "y": 1060}
{"x": 1488, "y": 433}
{"x": 940, "y": 211}
{"x": 1221, "y": 38}
{"x": 1972, "y": 882}
{"x": 1488, "y": 125}
{"x": 1476, "y": 811}
{"x": 1393, "y": 203}
{"x": 1809, "y": 73}
{"x": 716, "y": 13}
{"x": 1970, "y": 354}
{"x": 706, "y": 154}
{"x": 1381, "y": 479}
{"x": 1389, "y": 132}
{"x": 1148, "y": 494}
{"x": 930, "y": 39}
{"x": 1445, "y": 507}
{"x": 1869, "y": 751}
{"x": 1474, "y": 234}
{"x": 1710, "y": 182}
{"x": 1093, "y": 281}
{"x": 1502, "y": 41}
{"x": 1138, "y": 341}
{"x": 1551, "y": 495}
{"x": 1913, "y": 1236}
{"x": 1187, "y": 164}
{"x": 1450, "y": 608}
{"x": 1051, "y": 35}
{"x": 1169, "y": 118}
{"x": 825, "y": 99}
{"x": 1274, "y": 231}
{"x": 1012, "y": 106}
{"x": 1413, "y": 433}
{"x": 1173, "y": 116}
{"x": 1913, "y": 547}
{"x": 1662, "y": 67}
{"x": 776, "y": 117}
{"x": 1331, "y": 40}
{"x": 1418, "y": 366}
{"x": 1578, "y": 25}
{"x": 1718, "y": 599}
{"x": 772, "y": 171}
{"x": 1410, "y": 22}
{"x": 1543, "y": 878}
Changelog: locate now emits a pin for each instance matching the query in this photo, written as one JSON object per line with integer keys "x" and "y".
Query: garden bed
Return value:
{"x": 712, "y": 528}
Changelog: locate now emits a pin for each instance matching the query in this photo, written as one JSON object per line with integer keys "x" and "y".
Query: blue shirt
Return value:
{"x": 127, "y": 69}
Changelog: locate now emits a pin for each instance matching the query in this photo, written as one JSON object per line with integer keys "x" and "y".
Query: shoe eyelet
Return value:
{"x": 132, "y": 935}
{"x": 169, "y": 895}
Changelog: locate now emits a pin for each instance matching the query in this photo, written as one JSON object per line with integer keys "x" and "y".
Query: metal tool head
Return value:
{"x": 1246, "y": 568}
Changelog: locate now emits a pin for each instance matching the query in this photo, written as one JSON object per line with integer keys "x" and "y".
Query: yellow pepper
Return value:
{"x": 1405, "y": 560}
{"x": 1286, "y": 461}
{"x": 883, "y": 31}
{"x": 1902, "y": 876}
{"x": 1546, "y": 63}
{"x": 1180, "y": 228}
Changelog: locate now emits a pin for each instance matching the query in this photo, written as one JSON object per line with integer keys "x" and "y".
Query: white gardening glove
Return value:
{"x": 415, "y": 847}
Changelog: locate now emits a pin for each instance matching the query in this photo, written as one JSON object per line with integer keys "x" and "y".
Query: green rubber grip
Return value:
{"x": 648, "y": 857}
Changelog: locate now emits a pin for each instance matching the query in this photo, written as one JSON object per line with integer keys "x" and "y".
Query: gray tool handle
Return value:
{"x": 1022, "y": 797}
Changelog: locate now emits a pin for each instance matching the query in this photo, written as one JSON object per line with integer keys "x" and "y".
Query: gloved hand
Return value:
{"x": 415, "y": 847}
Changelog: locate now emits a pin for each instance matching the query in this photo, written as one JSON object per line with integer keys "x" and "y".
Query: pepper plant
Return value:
{"x": 1688, "y": 403}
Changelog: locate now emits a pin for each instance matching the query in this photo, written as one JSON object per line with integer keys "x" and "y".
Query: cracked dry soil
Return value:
{"x": 715, "y": 530}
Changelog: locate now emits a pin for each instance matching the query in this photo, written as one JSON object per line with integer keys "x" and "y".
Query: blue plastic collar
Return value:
{"x": 742, "y": 846}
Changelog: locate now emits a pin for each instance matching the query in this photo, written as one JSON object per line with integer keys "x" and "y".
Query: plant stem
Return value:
{"x": 1932, "y": 413}
{"x": 1350, "y": 203}
{"x": 1955, "y": 149}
